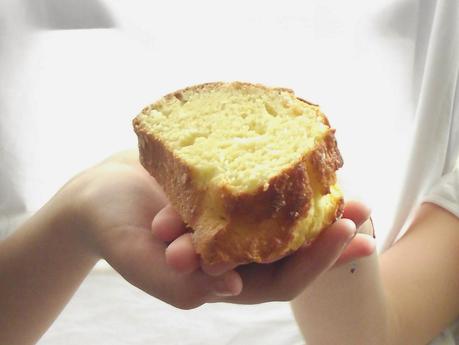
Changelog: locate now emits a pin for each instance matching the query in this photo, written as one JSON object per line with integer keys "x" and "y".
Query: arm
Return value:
{"x": 104, "y": 212}
{"x": 41, "y": 266}
{"x": 407, "y": 296}
{"x": 421, "y": 276}
{"x": 107, "y": 212}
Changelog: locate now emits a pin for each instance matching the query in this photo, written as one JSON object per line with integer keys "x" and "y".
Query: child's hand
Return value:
{"x": 282, "y": 280}
{"x": 115, "y": 203}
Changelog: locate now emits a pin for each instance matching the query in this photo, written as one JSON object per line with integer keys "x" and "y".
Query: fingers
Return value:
{"x": 301, "y": 268}
{"x": 356, "y": 211}
{"x": 361, "y": 246}
{"x": 229, "y": 284}
{"x": 167, "y": 225}
{"x": 285, "y": 279}
{"x": 279, "y": 281}
{"x": 181, "y": 256}
{"x": 140, "y": 259}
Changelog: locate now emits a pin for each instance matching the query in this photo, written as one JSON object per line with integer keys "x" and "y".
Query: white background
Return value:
{"x": 68, "y": 95}
{"x": 73, "y": 93}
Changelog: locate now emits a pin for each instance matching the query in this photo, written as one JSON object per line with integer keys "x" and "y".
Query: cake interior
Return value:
{"x": 239, "y": 137}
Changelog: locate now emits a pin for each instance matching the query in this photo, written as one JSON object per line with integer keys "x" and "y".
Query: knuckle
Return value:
{"x": 188, "y": 305}
{"x": 186, "y": 301}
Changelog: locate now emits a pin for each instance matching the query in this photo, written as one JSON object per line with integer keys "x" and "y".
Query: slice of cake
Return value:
{"x": 250, "y": 169}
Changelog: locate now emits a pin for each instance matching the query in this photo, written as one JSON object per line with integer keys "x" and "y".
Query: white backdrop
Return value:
{"x": 72, "y": 93}
{"x": 73, "y": 74}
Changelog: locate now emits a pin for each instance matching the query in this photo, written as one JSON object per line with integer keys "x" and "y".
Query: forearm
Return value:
{"x": 346, "y": 305}
{"x": 406, "y": 296}
{"x": 41, "y": 266}
{"x": 421, "y": 276}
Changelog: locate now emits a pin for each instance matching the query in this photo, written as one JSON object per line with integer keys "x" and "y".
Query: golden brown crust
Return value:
{"x": 267, "y": 215}
{"x": 247, "y": 227}
{"x": 285, "y": 197}
{"x": 325, "y": 159}
{"x": 180, "y": 94}
{"x": 171, "y": 173}
{"x": 307, "y": 102}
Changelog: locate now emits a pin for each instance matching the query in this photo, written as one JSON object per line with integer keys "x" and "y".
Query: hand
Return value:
{"x": 115, "y": 203}
{"x": 279, "y": 281}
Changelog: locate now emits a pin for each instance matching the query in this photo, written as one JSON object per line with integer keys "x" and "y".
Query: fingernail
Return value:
{"x": 367, "y": 228}
{"x": 351, "y": 234}
{"x": 373, "y": 232}
{"x": 222, "y": 288}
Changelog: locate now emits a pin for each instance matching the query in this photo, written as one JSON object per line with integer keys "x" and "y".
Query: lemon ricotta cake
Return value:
{"x": 250, "y": 169}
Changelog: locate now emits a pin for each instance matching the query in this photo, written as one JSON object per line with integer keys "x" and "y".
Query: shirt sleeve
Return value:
{"x": 445, "y": 193}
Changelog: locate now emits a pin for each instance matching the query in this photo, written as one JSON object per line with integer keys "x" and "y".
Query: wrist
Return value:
{"x": 71, "y": 222}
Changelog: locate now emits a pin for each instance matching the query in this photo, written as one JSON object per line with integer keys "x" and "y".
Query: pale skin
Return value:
{"x": 117, "y": 211}
{"x": 406, "y": 296}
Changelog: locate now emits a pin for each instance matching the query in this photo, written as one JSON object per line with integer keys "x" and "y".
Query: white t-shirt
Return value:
{"x": 384, "y": 71}
{"x": 432, "y": 174}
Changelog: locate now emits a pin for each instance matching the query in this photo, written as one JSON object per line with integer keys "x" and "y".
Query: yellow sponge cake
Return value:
{"x": 250, "y": 169}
